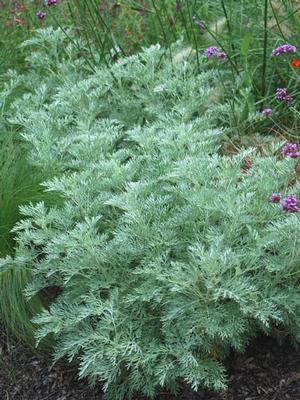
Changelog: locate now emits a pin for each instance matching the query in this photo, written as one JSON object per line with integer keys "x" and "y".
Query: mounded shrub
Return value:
{"x": 165, "y": 252}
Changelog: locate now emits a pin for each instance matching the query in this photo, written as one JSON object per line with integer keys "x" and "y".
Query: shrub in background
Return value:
{"x": 165, "y": 253}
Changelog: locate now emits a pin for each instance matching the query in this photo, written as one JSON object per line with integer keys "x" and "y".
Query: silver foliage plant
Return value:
{"x": 166, "y": 250}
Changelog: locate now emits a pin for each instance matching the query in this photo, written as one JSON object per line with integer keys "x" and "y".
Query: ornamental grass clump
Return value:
{"x": 165, "y": 252}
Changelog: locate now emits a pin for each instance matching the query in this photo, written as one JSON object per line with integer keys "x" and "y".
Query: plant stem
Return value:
{"x": 183, "y": 19}
{"x": 277, "y": 22}
{"x": 162, "y": 28}
{"x": 72, "y": 40}
{"x": 193, "y": 34}
{"x": 228, "y": 27}
{"x": 263, "y": 83}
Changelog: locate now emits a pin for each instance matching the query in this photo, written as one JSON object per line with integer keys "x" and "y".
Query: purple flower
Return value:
{"x": 285, "y": 48}
{"x": 51, "y": 2}
{"x": 275, "y": 198}
{"x": 215, "y": 52}
{"x": 290, "y": 150}
{"x": 295, "y": 155}
{"x": 281, "y": 95}
{"x": 222, "y": 56}
{"x": 290, "y": 204}
{"x": 211, "y": 51}
{"x": 41, "y": 15}
{"x": 266, "y": 112}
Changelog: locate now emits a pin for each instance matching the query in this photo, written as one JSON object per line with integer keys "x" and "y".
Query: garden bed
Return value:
{"x": 266, "y": 371}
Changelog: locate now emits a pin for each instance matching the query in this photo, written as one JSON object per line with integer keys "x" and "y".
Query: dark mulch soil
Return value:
{"x": 266, "y": 371}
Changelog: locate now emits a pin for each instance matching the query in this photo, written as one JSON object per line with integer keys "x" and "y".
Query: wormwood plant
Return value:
{"x": 165, "y": 251}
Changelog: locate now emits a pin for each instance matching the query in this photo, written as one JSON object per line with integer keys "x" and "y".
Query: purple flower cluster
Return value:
{"x": 288, "y": 204}
{"x": 266, "y": 112}
{"x": 211, "y": 51}
{"x": 222, "y": 55}
{"x": 290, "y": 150}
{"x": 285, "y": 48}
{"x": 41, "y": 15}
{"x": 281, "y": 95}
{"x": 214, "y": 51}
{"x": 51, "y": 2}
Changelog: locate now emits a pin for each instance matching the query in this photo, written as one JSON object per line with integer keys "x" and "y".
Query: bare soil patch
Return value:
{"x": 266, "y": 371}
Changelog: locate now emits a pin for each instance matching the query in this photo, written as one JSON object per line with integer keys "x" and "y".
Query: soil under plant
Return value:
{"x": 266, "y": 371}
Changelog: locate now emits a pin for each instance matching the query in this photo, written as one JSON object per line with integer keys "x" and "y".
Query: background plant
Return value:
{"x": 246, "y": 30}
